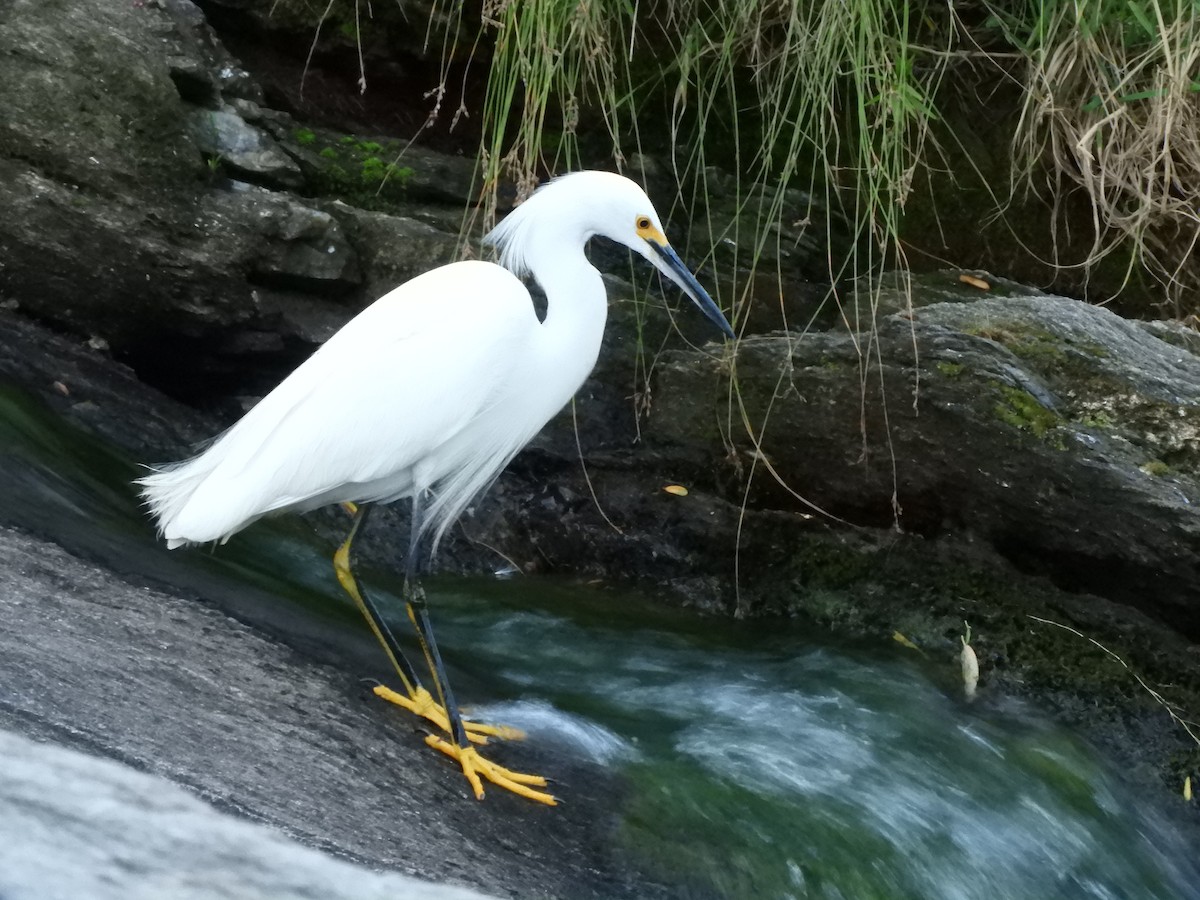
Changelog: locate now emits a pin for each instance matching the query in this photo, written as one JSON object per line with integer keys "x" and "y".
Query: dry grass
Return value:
{"x": 1112, "y": 108}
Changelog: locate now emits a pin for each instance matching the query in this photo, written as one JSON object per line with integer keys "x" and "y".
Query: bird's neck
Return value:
{"x": 576, "y": 310}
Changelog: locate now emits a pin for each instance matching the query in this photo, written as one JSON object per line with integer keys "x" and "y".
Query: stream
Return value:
{"x": 760, "y": 759}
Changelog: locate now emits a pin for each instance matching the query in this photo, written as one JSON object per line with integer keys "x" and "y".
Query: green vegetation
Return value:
{"x": 842, "y": 101}
{"x": 1098, "y": 419}
{"x": 1156, "y": 467}
{"x": 363, "y": 172}
{"x": 741, "y": 85}
{"x": 847, "y": 102}
{"x": 1109, "y": 103}
{"x": 1020, "y": 409}
{"x": 812, "y": 128}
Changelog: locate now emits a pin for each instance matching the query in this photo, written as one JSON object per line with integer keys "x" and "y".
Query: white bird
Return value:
{"x": 427, "y": 394}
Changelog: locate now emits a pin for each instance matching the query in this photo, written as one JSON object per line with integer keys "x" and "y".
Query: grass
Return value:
{"x": 813, "y": 114}
{"x": 786, "y": 124}
{"x": 825, "y": 97}
{"x": 1111, "y": 109}
{"x": 836, "y": 99}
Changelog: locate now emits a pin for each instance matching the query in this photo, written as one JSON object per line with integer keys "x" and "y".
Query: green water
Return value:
{"x": 761, "y": 761}
{"x": 765, "y": 762}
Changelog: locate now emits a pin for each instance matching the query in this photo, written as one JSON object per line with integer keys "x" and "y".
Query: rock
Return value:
{"x": 204, "y": 285}
{"x": 304, "y": 248}
{"x": 957, "y": 450}
{"x": 203, "y": 70}
{"x": 88, "y": 97}
{"x": 284, "y": 734}
{"x": 88, "y": 388}
{"x": 248, "y": 152}
{"x": 312, "y": 60}
{"x": 125, "y": 835}
{"x": 394, "y": 249}
{"x": 1183, "y": 335}
{"x": 1055, "y": 431}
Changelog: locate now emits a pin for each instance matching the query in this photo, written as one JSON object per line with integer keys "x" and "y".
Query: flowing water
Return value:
{"x": 762, "y": 760}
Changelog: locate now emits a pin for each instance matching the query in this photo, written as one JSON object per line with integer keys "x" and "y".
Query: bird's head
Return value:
{"x": 611, "y": 206}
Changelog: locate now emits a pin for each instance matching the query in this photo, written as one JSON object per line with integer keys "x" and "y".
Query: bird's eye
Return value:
{"x": 643, "y": 223}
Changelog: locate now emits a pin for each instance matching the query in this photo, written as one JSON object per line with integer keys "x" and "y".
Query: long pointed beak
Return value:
{"x": 668, "y": 262}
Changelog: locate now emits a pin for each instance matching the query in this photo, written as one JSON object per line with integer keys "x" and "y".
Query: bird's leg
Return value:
{"x": 459, "y": 747}
{"x": 418, "y": 699}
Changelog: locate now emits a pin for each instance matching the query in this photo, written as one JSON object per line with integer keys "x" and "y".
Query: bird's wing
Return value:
{"x": 401, "y": 378}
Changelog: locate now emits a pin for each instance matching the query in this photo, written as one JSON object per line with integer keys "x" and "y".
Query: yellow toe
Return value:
{"x": 474, "y": 766}
{"x": 421, "y": 703}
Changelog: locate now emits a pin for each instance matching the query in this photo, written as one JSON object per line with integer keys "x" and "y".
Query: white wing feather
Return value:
{"x": 380, "y": 409}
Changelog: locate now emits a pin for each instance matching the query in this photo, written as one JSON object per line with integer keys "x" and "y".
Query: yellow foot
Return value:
{"x": 474, "y": 765}
{"x": 422, "y": 704}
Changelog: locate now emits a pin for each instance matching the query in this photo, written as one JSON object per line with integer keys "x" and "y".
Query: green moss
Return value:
{"x": 950, "y": 369}
{"x": 1098, "y": 419}
{"x": 1036, "y": 345}
{"x": 1020, "y": 409}
{"x": 1049, "y": 353}
{"x": 871, "y": 586}
{"x": 355, "y": 170}
{"x": 1097, "y": 350}
{"x": 1155, "y": 467}
{"x": 830, "y": 567}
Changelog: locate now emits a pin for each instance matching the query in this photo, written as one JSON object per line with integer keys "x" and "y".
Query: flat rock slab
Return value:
{"x": 179, "y": 690}
{"x": 78, "y": 826}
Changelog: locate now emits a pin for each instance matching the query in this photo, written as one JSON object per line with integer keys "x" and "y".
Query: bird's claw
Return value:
{"x": 421, "y": 703}
{"x": 474, "y": 765}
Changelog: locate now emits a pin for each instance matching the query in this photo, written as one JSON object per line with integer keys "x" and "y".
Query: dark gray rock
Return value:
{"x": 303, "y": 248}
{"x": 88, "y": 99}
{"x": 1053, "y": 431}
{"x": 246, "y": 151}
{"x": 79, "y": 826}
{"x": 179, "y": 690}
{"x": 204, "y": 72}
{"x": 113, "y": 225}
{"x": 393, "y": 249}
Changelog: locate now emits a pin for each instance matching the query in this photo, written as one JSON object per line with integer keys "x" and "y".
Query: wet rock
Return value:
{"x": 941, "y": 436}
{"x": 276, "y": 735}
{"x": 1055, "y": 432}
{"x": 183, "y": 273}
{"x": 130, "y": 835}
{"x": 304, "y": 248}
{"x": 248, "y": 152}
{"x": 394, "y": 249}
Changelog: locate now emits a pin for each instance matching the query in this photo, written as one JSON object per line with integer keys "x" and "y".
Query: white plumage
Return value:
{"x": 428, "y": 393}
{"x": 436, "y": 385}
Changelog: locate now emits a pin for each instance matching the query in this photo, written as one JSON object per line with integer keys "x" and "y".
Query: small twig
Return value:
{"x": 1158, "y": 698}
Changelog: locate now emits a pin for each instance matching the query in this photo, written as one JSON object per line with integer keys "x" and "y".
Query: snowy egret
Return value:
{"x": 427, "y": 394}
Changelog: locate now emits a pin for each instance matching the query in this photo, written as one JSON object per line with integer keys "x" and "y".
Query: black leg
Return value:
{"x": 446, "y": 715}
{"x": 341, "y": 565}
{"x": 414, "y": 598}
